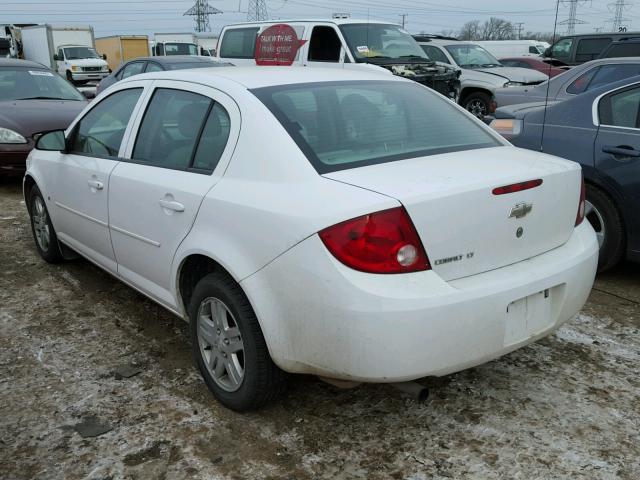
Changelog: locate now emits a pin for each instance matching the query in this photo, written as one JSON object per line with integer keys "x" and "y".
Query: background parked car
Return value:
{"x": 33, "y": 99}
{"x": 577, "y": 80}
{"x": 599, "y": 129}
{"x": 482, "y": 73}
{"x": 578, "y": 49}
{"x": 625, "y": 47}
{"x": 158, "y": 64}
{"x": 534, "y": 63}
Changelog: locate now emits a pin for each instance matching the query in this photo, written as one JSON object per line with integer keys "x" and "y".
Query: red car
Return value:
{"x": 33, "y": 99}
{"x": 532, "y": 63}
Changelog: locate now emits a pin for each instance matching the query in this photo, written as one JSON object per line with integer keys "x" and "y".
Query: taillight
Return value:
{"x": 581, "y": 205}
{"x": 381, "y": 242}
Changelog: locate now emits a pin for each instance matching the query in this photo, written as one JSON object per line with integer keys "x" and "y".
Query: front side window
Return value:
{"x": 371, "y": 41}
{"x": 132, "y": 69}
{"x": 182, "y": 130}
{"x": 562, "y": 49}
{"x": 239, "y": 43}
{"x": 621, "y": 109}
{"x": 60, "y": 54}
{"x": 340, "y": 125}
{"x": 468, "y": 55}
{"x": 100, "y": 131}
{"x": 435, "y": 54}
{"x": 27, "y": 83}
{"x": 590, "y": 48}
{"x": 324, "y": 45}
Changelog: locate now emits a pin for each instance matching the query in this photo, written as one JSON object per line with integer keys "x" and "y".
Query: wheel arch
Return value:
{"x": 466, "y": 91}
{"x": 617, "y": 200}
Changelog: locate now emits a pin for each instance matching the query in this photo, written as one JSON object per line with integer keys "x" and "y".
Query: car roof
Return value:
{"x": 600, "y": 61}
{"x": 171, "y": 59}
{"x": 258, "y": 77}
{"x": 335, "y": 21}
{"x": 14, "y": 62}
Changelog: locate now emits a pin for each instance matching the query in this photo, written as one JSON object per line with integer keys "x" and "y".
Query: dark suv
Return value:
{"x": 625, "y": 47}
{"x": 578, "y": 49}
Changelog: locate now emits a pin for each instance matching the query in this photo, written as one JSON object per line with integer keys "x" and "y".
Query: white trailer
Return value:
{"x": 68, "y": 50}
{"x": 175, "y": 44}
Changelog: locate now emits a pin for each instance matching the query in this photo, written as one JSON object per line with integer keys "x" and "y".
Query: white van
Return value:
{"x": 514, "y": 48}
{"x": 344, "y": 43}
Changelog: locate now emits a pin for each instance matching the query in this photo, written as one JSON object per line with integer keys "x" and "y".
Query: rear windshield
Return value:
{"x": 341, "y": 125}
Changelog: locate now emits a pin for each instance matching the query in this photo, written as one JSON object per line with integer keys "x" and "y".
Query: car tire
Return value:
{"x": 477, "y": 103}
{"x": 606, "y": 220}
{"x": 43, "y": 232}
{"x": 70, "y": 77}
{"x": 228, "y": 345}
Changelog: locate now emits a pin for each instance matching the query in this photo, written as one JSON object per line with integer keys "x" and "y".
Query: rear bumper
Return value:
{"x": 320, "y": 317}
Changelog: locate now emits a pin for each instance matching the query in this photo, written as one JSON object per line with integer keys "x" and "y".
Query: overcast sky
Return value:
{"x": 113, "y": 17}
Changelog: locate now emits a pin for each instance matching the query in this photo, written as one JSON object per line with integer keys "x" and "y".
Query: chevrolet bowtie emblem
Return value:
{"x": 521, "y": 210}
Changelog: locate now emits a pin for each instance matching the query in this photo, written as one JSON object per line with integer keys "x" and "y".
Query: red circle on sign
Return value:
{"x": 277, "y": 45}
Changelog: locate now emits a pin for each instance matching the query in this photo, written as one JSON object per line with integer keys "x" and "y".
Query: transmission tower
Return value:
{"x": 201, "y": 11}
{"x": 573, "y": 20}
{"x": 618, "y": 8}
{"x": 257, "y": 11}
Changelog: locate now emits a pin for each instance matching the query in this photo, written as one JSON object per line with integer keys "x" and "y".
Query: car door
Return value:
{"x": 183, "y": 142}
{"x": 617, "y": 147}
{"x": 79, "y": 182}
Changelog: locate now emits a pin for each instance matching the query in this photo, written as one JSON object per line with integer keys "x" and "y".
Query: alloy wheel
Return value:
{"x": 477, "y": 108}
{"x": 596, "y": 220}
{"x": 41, "y": 224}
{"x": 221, "y": 344}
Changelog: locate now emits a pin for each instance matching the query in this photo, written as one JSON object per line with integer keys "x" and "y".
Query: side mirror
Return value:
{"x": 104, "y": 56}
{"x": 51, "y": 141}
{"x": 547, "y": 52}
{"x": 88, "y": 94}
{"x": 56, "y": 58}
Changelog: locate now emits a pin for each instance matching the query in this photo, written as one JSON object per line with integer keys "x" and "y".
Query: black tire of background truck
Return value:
{"x": 613, "y": 246}
{"x": 263, "y": 381}
{"x": 478, "y": 103}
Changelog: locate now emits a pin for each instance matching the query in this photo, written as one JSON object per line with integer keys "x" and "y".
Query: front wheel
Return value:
{"x": 477, "y": 103}
{"x": 606, "y": 221}
{"x": 228, "y": 345}
{"x": 42, "y": 228}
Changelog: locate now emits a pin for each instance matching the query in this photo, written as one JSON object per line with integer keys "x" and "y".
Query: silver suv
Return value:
{"x": 482, "y": 73}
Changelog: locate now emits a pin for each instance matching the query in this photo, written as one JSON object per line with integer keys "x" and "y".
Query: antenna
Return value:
{"x": 573, "y": 20}
{"x": 546, "y": 97}
{"x": 201, "y": 11}
{"x": 618, "y": 8}
{"x": 257, "y": 11}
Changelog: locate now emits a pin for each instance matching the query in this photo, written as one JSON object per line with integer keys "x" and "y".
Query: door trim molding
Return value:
{"x": 83, "y": 215}
{"x": 136, "y": 236}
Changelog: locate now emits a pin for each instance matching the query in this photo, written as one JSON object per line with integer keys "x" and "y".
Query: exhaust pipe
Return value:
{"x": 413, "y": 390}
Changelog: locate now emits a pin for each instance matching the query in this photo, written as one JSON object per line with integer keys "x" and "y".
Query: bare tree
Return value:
{"x": 470, "y": 30}
{"x": 497, "y": 29}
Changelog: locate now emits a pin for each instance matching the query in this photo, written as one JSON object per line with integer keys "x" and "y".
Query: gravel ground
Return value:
{"x": 81, "y": 353}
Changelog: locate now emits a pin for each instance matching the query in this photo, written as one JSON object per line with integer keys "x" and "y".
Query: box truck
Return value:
{"x": 68, "y": 50}
{"x": 120, "y": 48}
{"x": 175, "y": 44}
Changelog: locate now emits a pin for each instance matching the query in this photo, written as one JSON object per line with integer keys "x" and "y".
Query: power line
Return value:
{"x": 200, "y": 13}
{"x": 573, "y": 20}
{"x": 257, "y": 11}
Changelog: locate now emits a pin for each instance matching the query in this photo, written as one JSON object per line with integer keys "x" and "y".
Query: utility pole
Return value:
{"x": 519, "y": 28}
{"x": 257, "y": 11}
{"x": 618, "y": 8}
{"x": 573, "y": 20}
{"x": 201, "y": 11}
{"x": 404, "y": 16}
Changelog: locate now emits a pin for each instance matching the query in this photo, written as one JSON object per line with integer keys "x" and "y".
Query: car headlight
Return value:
{"x": 9, "y": 136}
{"x": 507, "y": 127}
{"x": 513, "y": 84}
{"x": 74, "y": 68}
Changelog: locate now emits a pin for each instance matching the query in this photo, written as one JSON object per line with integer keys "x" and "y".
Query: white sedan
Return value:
{"x": 341, "y": 223}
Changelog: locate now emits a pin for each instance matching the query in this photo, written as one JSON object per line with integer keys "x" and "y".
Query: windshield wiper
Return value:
{"x": 45, "y": 98}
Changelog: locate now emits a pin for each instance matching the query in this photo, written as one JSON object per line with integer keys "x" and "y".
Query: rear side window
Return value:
{"x": 581, "y": 83}
{"x": 602, "y": 76}
{"x": 182, "y": 130}
{"x": 621, "y": 109}
{"x": 590, "y": 48}
{"x": 132, "y": 69}
{"x": 340, "y": 125}
{"x": 239, "y": 43}
{"x": 100, "y": 131}
{"x": 153, "y": 67}
{"x": 624, "y": 50}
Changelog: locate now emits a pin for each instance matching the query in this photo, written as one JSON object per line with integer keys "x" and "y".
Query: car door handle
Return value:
{"x": 97, "y": 184}
{"x": 621, "y": 151}
{"x": 172, "y": 205}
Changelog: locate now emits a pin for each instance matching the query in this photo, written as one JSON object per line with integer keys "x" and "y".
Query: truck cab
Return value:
{"x": 80, "y": 64}
{"x": 161, "y": 49}
{"x": 345, "y": 43}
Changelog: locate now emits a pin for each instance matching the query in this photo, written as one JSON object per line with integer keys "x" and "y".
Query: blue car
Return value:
{"x": 599, "y": 129}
